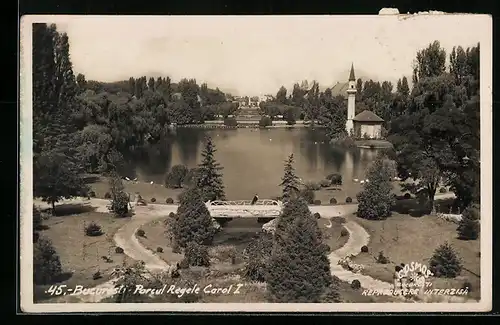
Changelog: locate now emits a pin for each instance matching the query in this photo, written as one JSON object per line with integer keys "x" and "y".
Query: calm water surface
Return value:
{"x": 253, "y": 159}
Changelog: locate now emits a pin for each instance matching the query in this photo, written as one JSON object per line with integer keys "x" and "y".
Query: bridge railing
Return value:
{"x": 266, "y": 202}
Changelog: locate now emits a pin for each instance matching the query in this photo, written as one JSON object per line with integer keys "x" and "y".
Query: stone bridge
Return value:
{"x": 245, "y": 208}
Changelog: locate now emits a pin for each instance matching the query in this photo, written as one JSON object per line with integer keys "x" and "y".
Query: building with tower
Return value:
{"x": 366, "y": 124}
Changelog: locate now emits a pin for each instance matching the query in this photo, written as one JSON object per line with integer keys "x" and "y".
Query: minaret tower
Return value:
{"x": 351, "y": 98}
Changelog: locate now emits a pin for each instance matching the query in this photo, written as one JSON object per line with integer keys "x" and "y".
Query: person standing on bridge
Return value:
{"x": 255, "y": 199}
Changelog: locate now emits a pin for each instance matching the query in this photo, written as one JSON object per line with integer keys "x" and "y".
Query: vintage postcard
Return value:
{"x": 256, "y": 163}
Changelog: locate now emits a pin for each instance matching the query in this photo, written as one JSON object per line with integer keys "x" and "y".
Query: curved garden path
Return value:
{"x": 125, "y": 238}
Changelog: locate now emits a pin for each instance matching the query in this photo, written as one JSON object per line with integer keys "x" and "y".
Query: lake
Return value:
{"x": 253, "y": 159}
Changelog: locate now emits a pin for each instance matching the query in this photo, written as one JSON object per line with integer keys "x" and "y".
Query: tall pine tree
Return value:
{"x": 209, "y": 176}
{"x": 289, "y": 181}
{"x": 299, "y": 269}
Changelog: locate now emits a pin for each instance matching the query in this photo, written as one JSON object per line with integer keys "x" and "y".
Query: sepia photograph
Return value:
{"x": 256, "y": 163}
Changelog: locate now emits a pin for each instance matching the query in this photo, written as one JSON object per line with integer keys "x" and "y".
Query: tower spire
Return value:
{"x": 351, "y": 75}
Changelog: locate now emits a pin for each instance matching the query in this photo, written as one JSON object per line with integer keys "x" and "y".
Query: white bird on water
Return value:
{"x": 367, "y": 180}
{"x": 361, "y": 182}
{"x": 270, "y": 139}
{"x": 127, "y": 178}
{"x": 355, "y": 180}
{"x": 135, "y": 179}
{"x": 151, "y": 182}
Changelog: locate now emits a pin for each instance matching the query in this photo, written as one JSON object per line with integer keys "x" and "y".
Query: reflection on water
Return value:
{"x": 252, "y": 159}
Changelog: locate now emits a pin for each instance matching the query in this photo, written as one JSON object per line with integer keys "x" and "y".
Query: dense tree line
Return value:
{"x": 436, "y": 138}
{"x": 82, "y": 125}
{"x": 434, "y": 124}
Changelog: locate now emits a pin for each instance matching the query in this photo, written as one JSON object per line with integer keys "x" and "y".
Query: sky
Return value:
{"x": 255, "y": 55}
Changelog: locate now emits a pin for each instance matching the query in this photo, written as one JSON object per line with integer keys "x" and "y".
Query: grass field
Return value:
{"x": 406, "y": 239}
{"x": 80, "y": 255}
{"x": 332, "y": 236}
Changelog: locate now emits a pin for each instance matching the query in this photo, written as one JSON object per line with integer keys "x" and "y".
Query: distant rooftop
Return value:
{"x": 367, "y": 116}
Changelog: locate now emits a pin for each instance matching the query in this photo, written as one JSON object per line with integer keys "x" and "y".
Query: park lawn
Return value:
{"x": 406, "y": 239}
{"x": 332, "y": 236}
{"x": 80, "y": 255}
{"x": 100, "y": 185}
{"x": 155, "y": 237}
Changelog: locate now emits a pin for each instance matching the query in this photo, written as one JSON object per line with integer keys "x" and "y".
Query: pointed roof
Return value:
{"x": 367, "y": 116}
{"x": 351, "y": 75}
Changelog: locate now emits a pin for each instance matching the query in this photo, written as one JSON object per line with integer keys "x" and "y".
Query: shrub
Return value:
{"x": 469, "y": 226}
{"x": 445, "y": 262}
{"x": 171, "y": 215}
{"x": 316, "y": 215}
{"x": 96, "y": 276}
{"x": 184, "y": 264}
{"x": 313, "y": 186}
{"x": 382, "y": 259}
{"x": 335, "y": 179}
{"x": 230, "y": 121}
{"x": 407, "y": 196}
{"x": 176, "y": 176}
{"x": 355, "y": 284}
{"x": 119, "y": 250}
{"x": 107, "y": 195}
{"x": 333, "y": 201}
{"x": 159, "y": 249}
{"x": 324, "y": 183}
{"x": 338, "y": 220}
{"x": 196, "y": 254}
{"x": 91, "y": 194}
{"x": 442, "y": 190}
{"x": 308, "y": 195}
{"x": 46, "y": 263}
{"x": 265, "y": 121}
{"x": 140, "y": 233}
{"x": 348, "y": 199}
{"x": 317, "y": 202}
{"x": 153, "y": 200}
{"x": 93, "y": 229}
{"x": 119, "y": 204}
{"x": 169, "y": 200}
{"x": 364, "y": 249}
{"x": 346, "y": 142}
{"x": 344, "y": 232}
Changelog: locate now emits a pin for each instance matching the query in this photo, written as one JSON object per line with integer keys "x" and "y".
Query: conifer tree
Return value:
{"x": 377, "y": 199}
{"x": 193, "y": 222}
{"x": 209, "y": 177}
{"x": 445, "y": 262}
{"x": 289, "y": 181}
{"x": 299, "y": 269}
{"x": 46, "y": 263}
{"x": 468, "y": 228}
